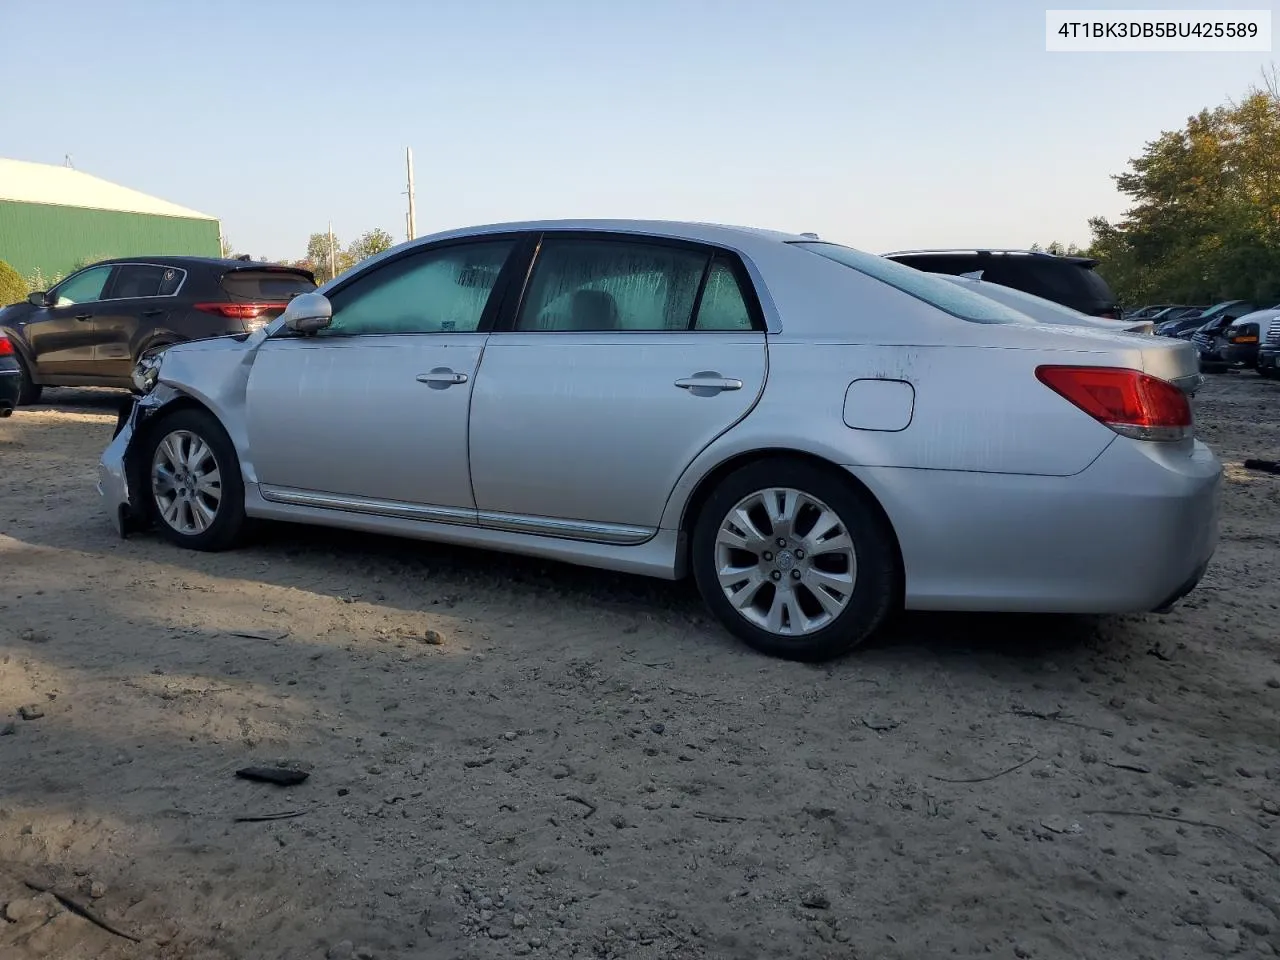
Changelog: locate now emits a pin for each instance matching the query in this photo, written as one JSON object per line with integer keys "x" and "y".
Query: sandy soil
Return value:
{"x": 582, "y": 765}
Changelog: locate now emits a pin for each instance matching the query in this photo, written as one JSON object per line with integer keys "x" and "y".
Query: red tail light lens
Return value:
{"x": 6, "y": 348}
{"x": 239, "y": 311}
{"x": 1130, "y": 402}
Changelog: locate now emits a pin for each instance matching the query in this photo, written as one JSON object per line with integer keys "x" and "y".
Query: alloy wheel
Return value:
{"x": 186, "y": 482}
{"x": 785, "y": 561}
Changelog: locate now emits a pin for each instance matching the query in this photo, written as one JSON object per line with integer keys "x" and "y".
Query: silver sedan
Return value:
{"x": 817, "y": 435}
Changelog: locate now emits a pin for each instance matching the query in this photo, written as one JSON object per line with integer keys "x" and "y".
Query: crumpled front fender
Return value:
{"x": 119, "y": 477}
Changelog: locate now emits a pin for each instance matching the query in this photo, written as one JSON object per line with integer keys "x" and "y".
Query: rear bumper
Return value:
{"x": 1131, "y": 533}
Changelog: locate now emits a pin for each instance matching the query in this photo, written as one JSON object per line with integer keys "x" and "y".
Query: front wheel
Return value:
{"x": 194, "y": 490}
{"x": 794, "y": 560}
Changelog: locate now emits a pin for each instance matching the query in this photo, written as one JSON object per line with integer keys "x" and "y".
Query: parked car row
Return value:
{"x": 815, "y": 434}
{"x": 1228, "y": 334}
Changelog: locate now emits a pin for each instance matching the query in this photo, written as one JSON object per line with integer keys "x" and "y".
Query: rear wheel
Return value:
{"x": 194, "y": 490}
{"x": 794, "y": 560}
{"x": 28, "y": 390}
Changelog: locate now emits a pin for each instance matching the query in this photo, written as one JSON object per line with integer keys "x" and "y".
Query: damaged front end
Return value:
{"x": 121, "y": 476}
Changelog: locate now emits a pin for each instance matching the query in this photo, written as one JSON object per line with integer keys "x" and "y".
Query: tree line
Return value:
{"x": 1204, "y": 225}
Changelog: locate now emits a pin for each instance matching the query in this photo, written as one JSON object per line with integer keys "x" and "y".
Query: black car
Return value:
{"x": 10, "y": 377}
{"x": 1210, "y": 336}
{"x": 1071, "y": 281}
{"x": 92, "y": 327}
{"x": 1183, "y": 327}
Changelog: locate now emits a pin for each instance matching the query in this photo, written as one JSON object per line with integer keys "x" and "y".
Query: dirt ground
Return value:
{"x": 509, "y": 757}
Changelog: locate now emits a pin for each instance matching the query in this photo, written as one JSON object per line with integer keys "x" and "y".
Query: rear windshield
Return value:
{"x": 265, "y": 284}
{"x": 933, "y": 290}
{"x": 1071, "y": 280}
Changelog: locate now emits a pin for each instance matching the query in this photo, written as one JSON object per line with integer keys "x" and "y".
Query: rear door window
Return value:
{"x": 266, "y": 285}
{"x": 134, "y": 280}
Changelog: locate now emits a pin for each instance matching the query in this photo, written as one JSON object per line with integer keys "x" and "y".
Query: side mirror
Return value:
{"x": 307, "y": 313}
{"x": 39, "y": 298}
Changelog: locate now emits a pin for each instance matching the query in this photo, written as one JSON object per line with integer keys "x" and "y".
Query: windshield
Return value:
{"x": 930, "y": 288}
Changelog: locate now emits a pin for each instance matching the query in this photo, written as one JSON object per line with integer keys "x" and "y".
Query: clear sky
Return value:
{"x": 890, "y": 124}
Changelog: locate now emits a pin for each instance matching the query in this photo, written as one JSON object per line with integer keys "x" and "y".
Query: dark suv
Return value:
{"x": 91, "y": 328}
{"x": 1070, "y": 281}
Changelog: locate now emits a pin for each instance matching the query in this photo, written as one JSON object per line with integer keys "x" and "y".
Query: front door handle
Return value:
{"x": 84, "y": 316}
{"x": 442, "y": 377}
{"x": 152, "y": 313}
{"x": 708, "y": 383}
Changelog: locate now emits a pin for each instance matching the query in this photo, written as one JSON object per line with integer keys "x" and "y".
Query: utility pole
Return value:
{"x": 408, "y": 162}
{"x": 333, "y": 259}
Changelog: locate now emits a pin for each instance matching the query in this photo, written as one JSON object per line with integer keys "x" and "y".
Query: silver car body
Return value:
{"x": 580, "y": 447}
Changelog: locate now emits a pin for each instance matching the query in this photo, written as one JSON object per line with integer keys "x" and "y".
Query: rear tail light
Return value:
{"x": 6, "y": 348}
{"x": 1132, "y": 403}
{"x": 239, "y": 311}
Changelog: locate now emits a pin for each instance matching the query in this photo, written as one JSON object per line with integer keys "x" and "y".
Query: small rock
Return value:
{"x": 618, "y": 820}
{"x": 486, "y": 915}
{"x": 343, "y": 791}
{"x": 1271, "y": 807}
{"x": 519, "y": 921}
{"x": 879, "y": 723}
{"x": 433, "y": 637}
{"x": 657, "y": 727}
{"x": 1256, "y": 928}
{"x": 1274, "y": 683}
{"x": 30, "y": 712}
{"x": 560, "y": 771}
{"x": 1020, "y": 951}
{"x": 94, "y": 888}
{"x": 365, "y": 953}
{"x": 485, "y": 903}
{"x": 343, "y": 950}
{"x": 815, "y": 899}
{"x": 499, "y": 933}
{"x": 1088, "y": 756}
{"x": 1244, "y": 772}
{"x": 35, "y": 636}
{"x": 417, "y": 767}
{"x": 1167, "y": 849}
{"x": 509, "y": 735}
{"x": 543, "y": 867}
{"x": 8, "y": 730}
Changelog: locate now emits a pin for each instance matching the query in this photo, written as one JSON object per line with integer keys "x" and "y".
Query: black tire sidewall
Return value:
{"x": 874, "y": 551}
{"x": 229, "y": 521}
{"x": 28, "y": 390}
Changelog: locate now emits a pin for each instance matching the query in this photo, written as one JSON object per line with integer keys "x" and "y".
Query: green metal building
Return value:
{"x": 53, "y": 219}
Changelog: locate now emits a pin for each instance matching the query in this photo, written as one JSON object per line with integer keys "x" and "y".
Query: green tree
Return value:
{"x": 1205, "y": 219}
{"x": 373, "y": 242}
{"x": 13, "y": 289}
{"x": 318, "y": 251}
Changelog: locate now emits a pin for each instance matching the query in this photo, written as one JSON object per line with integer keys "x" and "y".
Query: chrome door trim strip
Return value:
{"x": 615, "y": 533}
{"x": 382, "y": 508}
{"x": 610, "y": 533}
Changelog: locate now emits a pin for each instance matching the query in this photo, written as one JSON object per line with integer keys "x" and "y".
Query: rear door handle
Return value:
{"x": 152, "y": 313}
{"x": 708, "y": 383}
{"x": 84, "y": 316}
{"x": 442, "y": 377}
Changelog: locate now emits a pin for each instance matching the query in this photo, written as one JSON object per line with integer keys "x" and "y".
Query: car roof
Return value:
{"x": 186, "y": 261}
{"x": 675, "y": 229}
{"x": 995, "y": 251}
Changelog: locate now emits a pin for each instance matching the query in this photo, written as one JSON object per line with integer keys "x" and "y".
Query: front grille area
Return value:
{"x": 1273, "y": 334}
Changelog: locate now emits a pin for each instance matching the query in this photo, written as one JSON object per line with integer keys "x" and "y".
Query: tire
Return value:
{"x": 28, "y": 390}
{"x": 1267, "y": 373}
{"x": 185, "y": 512}
{"x": 795, "y": 630}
